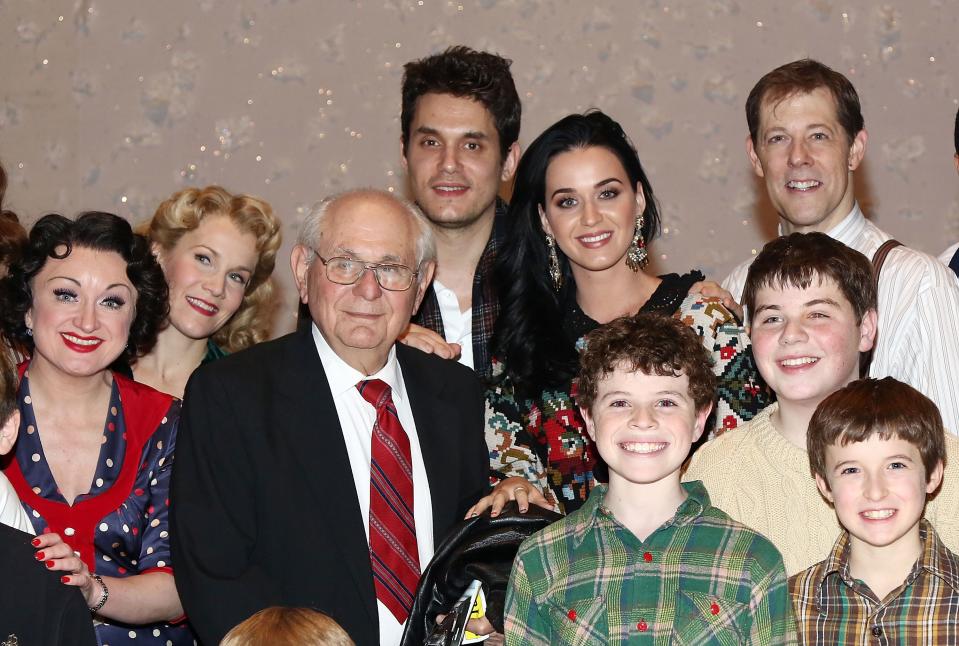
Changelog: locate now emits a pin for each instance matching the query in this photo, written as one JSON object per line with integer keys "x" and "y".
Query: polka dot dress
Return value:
{"x": 134, "y": 537}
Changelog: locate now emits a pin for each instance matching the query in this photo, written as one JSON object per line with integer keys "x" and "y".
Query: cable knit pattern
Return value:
{"x": 757, "y": 477}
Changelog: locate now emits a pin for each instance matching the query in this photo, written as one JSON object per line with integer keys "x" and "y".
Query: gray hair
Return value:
{"x": 312, "y": 225}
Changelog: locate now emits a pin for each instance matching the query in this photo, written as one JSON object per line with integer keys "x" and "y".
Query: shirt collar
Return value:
{"x": 594, "y": 513}
{"x": 848, "y": 230}
{"x": 936, "y": 559}
{"x": 343, "y": 377}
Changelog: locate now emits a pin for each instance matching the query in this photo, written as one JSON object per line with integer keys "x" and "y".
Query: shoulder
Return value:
{"x": 947, "y": 255}
{"x": 551, "y": 539}
{"x": 440, "y": 371}
{"x": 736, "y": 280}
{"x": 803, "y": 585}
{"x": 718, "y": 451}
{"x": 743, "y": 542}
{"x": 258, "y": 358}
{"x": 918, "y": 268}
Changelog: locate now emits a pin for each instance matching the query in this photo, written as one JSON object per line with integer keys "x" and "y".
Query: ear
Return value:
{"x": 299, "y": 263}
{"x": 510, "y": 162}
{"x": 824, "y": 489}
{"x": 544, "y": 220}
{"x": 935, "y": 478}
{"x": 590, "y": 426}
{"x": 8, "y": 432}
{"x": 700, "y": 423}
{"x": 28, "y": 318}
{"x": 857, "y": 150}
{"x": 425, "y": 277}
{"x": 640, "y": 199}
{"x": 867, "y": 330}
{"x": 754, "y": 158}
{"x": 403, "y": 161}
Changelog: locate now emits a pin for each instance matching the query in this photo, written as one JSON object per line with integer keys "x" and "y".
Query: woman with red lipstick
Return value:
{"x": 92, "y": 462}
{"x": 582, "y": 213}
{"x": 217, "y": 251}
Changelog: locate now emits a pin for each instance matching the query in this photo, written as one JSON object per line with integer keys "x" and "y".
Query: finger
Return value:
{"x": 456, "y": 350}
{"x": 480, "y": 626}
{"x": 56, "y": 551}
{"x": 499, "y": 499}
{"x": 45, "y": 540}
{"x": 477, "y": 509}
{"x": 70, "y": 564}
{"x": 522, "y": 499}
{"x": 539, "y": 499}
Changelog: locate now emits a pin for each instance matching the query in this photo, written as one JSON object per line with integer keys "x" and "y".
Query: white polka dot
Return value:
{"x": 169, "y": 643}
{"x": 149, "y": 550}
{"x": 126, "y": 528}
{"x": 69, "y": 531}
{"x": 162, "y": 460}
{"x": 103, "y": 440}
{"x": 132, "y": 634}
{"x": 99, "y": 482}
{"x": 36, "y": 490}
{"x": 113, "y": 410}
{"x": 163, "y": 421}
{"x": 153, "y": 482}
{"x": 164, "y": 534}
{"x": 104, "y": 527}
{"x": 133, "y": 561}
{"x": 156, "y": 632}
{"x": 155, "y": 522}
{"x": 27, "y": 400}
{"x": 160, "y": 444}
{"x": 31, "y": 429}
{"x": 36, "y": 514}
{"x": 109, "y": 462}
{"x": 106, "y": 558}
{"x": 35, "y": 457}
{"x": 161, "y": 563}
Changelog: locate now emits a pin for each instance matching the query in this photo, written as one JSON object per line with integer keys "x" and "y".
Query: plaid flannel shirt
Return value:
{"x": 833, "y": 608}
{"x": 485, "y": 299}
{"x": 700, "y": 578}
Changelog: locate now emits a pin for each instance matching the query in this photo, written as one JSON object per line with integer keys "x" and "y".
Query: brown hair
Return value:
{"x": 802, "y": 77}
{"x": 8, "y": 384}
{"x": 280, "y": 626}
{"x": 649, "y": 343}
{"x": 184, "y": 211}
{"x": 883, "y": 407}
{"x": 801, "y": 258}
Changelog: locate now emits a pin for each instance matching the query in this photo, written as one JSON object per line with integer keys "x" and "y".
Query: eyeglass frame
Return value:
{"x": 367, "y": 266}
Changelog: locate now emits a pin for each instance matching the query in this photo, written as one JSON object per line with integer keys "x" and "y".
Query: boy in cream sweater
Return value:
{"x": 811, "y": 303}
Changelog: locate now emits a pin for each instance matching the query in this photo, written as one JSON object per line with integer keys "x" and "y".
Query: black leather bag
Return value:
{"x": 480, "y": 548}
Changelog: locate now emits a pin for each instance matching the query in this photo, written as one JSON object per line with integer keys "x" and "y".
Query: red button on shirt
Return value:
{"x": 647, "y": 557}
{"x": 642, "y": 626}
{"x": 714, "y": 608}
{"x": 572, "y": 615}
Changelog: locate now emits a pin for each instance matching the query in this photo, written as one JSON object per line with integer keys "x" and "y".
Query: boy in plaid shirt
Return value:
{"x": 876, "y": 449}
{"x": 647, "y": 559}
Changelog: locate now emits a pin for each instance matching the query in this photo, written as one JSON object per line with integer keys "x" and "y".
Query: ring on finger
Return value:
{"x": 519, "y": 488}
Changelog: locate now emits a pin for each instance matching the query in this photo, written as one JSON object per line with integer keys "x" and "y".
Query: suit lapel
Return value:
{"x": 318, "y": 446}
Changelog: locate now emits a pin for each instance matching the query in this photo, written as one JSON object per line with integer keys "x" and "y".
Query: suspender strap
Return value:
{"x": 878, "y": 260}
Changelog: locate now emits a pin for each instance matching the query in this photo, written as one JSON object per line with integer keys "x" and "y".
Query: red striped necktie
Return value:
{"x": 393, "y": 553}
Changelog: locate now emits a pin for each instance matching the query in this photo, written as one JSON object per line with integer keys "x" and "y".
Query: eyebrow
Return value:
{"x": 603, "y": 182}
{"x": 78, "y": 284}
{"x": 389, "y": 257}
{"x": 814, "y": 302}
{"x": 469, "y": 134}
{"x": 216, "y": 253}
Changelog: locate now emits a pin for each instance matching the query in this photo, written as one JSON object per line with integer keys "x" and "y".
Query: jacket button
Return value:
{"x": 877, "y": 631}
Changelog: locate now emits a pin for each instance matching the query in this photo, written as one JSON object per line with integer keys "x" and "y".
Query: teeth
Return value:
{"x": 801, "y": 361}
{"x": 203, "y": 306}
{"x": 79, "y": 341}
{"x": 595, "y": 238}
{"x": 450, "y": 189}
{"x": 643, "y": 447}
{"x": 878, "y": 514}
{"x": 803, "y": 186}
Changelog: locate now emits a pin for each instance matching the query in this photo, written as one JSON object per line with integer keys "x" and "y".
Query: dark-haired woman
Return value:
{"x": 582, "y": 213}
{"x": 93, "y": 458}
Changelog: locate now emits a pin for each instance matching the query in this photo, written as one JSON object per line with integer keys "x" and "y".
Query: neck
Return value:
{"x": 458, "y": 251}
{"x": 884, "y": 568}
{"x": 792, "y": 420}
{"x": 173, "y": 353}
{"x": 828, "y": 223}
{"x": 614, "y": 292}
{"x": 69, "y": 390}
{"x": 644, "y": 508}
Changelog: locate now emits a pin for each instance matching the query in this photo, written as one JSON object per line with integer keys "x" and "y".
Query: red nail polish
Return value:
{"x": 64, "y": 579}
{"x": 38, "y": 556}
{"x": 35, "y": 542}
{"x": 50, "y": 563}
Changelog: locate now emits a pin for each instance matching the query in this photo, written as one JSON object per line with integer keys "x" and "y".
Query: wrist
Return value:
{"x": 100, "y": 593}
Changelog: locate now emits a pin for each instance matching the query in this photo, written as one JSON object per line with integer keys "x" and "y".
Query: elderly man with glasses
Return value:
{"x": 320, "y": 469}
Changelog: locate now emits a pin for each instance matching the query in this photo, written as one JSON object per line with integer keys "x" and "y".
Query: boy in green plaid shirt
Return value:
{"x": 647, "y": 560}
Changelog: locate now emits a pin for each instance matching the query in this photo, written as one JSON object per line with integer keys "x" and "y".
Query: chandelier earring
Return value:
{"x": 636, "y": 256}
{"x": 554, "y": 269}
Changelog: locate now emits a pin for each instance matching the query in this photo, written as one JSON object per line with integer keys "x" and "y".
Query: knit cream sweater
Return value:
{"x": 756, "y": 476}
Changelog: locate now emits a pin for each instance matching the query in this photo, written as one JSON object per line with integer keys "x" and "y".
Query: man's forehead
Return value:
{"x": 369, "y": 223}
{"x": 774, "y": 106}
{"x": 449, "y": 111}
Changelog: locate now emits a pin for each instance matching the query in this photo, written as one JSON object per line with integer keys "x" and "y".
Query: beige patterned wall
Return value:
{"x": 114, "y": 104}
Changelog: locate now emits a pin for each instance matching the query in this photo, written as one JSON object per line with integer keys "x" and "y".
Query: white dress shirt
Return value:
{"x": 918, "y": 315}
{"x": 356, "y": 417}
{"x": 457, "y": 324}
{"x": 12, "y": 513}
{"x": 947, "y": 255}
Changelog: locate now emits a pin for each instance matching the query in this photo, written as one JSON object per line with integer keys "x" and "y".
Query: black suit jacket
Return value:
{"x": 264, "y": 509}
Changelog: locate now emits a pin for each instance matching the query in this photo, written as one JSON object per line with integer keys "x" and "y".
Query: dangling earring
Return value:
{"x": 636, "y": 256}
{"x": 29, "y": 331}
{"x": 554, "y": 270}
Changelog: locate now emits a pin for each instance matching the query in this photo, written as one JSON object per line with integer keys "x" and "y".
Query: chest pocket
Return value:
{"x": 579, "y": 623}
{"x": 705, "y": 619}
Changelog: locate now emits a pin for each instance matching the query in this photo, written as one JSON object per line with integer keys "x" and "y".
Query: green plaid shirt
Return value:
{"x": 701, "y": 578}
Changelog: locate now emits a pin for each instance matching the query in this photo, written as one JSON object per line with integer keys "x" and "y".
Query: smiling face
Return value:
{"x": 361, "y": 321}
{"x": 453, "y": 160}
{"x": 878, "y": 488}
{"x": 591, "y": 208}
{"x": 806, "y": 160}
{"x": 208, "y": 270}
{"x": 83, "y": 306}
{"x": 643, "y": 425}
{"x": 807, "y": 341}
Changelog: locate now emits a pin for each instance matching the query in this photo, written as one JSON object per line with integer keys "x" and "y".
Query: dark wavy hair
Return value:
{"x": 54, "y": 236}
{"x": 529, "y": 335}
{"x": 465, "y": 72}
{"x": 12, "y": 234}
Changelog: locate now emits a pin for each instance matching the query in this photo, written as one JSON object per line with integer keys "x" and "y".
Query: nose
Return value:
{"x": 793, "y": 332}
{"x": 366, "y": 286}
{"x": 874, "y": 487}
{"x": 591, "y": 214}
{"x": 215, "y": 285}
{"x": 86, "y": 318}
{"x": 642, "y": 417}
{"x": 798, "y": 153}
{"x": 450, "y": 159}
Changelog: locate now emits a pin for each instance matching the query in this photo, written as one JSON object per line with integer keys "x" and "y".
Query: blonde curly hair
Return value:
{"x": 183, "y": 212}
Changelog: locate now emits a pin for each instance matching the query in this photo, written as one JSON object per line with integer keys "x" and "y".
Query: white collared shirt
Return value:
{"x": 947, "y": 255}
{"x": 356, "y": 417}
{"x": 457, "y": 324}
{"x": 918, "y": 315}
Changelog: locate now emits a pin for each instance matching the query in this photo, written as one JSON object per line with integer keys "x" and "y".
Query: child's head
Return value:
{"x": 645, "y": 389}
{"x": 811, "y": 303}
{"x": 280, "y": 626}
{"x": 9, "y": 415}
{"x": 876, "y": 449}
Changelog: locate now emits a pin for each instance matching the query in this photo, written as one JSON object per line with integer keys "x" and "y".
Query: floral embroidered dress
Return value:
{"x": 544, "y": 439}
{"x": 121, "y": 526}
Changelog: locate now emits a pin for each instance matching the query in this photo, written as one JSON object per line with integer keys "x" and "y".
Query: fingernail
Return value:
{"x": 522, "y": 510}
{"x": 38, "y": 556}
{"x": 64, "y": 579}
{"x": 50, "y": 563}
{"x": 474, "y": 515}
{"x": 35, "y": 542}
{"x": 494, "y": 513}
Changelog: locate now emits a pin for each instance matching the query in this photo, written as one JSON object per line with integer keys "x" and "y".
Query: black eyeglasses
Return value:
{"x": 346, "y": 271}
